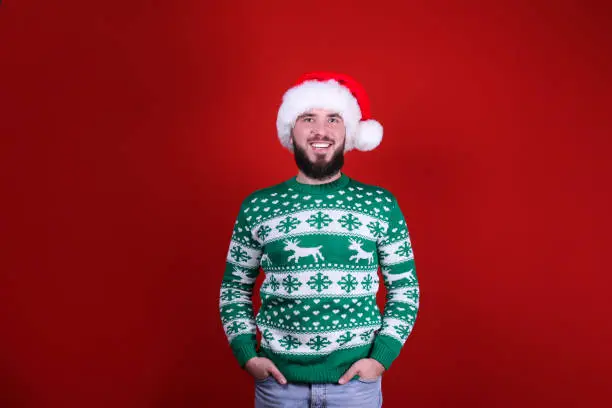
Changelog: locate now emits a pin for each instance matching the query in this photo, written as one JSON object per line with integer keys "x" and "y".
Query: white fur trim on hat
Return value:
{"x": 326, "y": 95}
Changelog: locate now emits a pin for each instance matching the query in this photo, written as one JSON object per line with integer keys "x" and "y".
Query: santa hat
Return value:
{"x": 339, "y": 93}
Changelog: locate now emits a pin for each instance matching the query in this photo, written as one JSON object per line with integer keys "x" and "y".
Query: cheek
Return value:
{"x": 339, "y": 134}
{"x": 300, "y": 134}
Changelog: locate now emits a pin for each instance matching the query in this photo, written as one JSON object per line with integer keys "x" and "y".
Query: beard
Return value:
{"x": 320, "y": 169}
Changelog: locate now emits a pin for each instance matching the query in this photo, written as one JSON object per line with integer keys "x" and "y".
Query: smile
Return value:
{"x": 318, "y": 146}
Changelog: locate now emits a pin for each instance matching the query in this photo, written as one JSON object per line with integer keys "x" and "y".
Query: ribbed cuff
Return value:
{"x": 384, "y": 351}
{"x": 244, "y": 352}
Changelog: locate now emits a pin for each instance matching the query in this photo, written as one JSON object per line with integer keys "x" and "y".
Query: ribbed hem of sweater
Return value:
{"x": 327, "y": 371}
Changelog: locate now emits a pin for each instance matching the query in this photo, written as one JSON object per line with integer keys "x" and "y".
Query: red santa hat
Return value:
{"x": 336, "y": 92}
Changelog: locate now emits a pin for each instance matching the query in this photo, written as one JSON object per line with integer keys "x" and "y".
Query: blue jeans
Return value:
{"x": 358, "y": 393}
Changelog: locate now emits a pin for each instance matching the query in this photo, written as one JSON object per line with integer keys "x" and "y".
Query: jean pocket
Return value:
{"x": 368, "y": 380}
{"x": 263, "y": 380}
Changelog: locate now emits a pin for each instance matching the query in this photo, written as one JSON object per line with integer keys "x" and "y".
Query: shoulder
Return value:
{"x": 374, "y": 190}
{"x": 264, "y": 193}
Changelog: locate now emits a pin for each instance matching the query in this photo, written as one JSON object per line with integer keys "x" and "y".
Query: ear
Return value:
{"x": 291, "y": 141}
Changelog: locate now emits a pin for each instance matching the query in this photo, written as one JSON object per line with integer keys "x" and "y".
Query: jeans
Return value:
{"x": 358, "y": 393}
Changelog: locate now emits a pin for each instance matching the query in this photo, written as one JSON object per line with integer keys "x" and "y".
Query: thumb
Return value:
{"x": 350, "y": 373}
{"x": 275, "y": 372}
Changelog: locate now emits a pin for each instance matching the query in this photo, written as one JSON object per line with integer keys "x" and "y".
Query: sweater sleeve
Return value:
{"x": 402, "y": 301}
{"x": 236, "y": 296}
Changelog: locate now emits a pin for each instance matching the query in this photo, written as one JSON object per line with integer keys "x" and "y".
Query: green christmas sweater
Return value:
{"x": 320, "y": 247}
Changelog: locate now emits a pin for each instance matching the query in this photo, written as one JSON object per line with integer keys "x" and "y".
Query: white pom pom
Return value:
{"x": 369, "y": 135}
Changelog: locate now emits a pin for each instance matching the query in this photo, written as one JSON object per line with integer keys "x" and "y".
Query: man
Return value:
{"x": 320, "y": 238}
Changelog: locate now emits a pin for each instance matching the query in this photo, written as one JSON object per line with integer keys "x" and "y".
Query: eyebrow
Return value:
{"x": 310, "y": 115}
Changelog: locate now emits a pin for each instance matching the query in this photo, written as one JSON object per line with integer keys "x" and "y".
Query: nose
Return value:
{"x": 318, "y": 129}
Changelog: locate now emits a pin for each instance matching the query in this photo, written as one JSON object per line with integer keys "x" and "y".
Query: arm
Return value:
{"x": 402, "y": 301}
{"x": 236, "y": 296}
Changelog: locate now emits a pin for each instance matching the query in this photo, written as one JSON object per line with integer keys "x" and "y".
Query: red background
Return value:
{"x": 131, "y": 130}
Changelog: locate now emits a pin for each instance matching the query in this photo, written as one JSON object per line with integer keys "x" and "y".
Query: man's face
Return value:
{"x": 318, "y": 143}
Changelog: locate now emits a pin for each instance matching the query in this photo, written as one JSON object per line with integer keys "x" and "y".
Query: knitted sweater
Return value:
{"x": 320, "y": 247}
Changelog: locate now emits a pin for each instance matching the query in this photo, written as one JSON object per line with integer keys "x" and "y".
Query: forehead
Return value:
{"x": 320, "y": 112}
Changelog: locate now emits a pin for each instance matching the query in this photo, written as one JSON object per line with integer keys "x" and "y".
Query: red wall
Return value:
{"x": 131, "y": 130}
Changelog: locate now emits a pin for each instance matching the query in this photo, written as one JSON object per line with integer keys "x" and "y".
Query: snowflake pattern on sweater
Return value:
{"x": 320, "y": 248}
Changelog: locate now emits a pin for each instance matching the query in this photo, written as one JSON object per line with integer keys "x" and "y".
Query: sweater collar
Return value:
{"x": 324, "y": 188}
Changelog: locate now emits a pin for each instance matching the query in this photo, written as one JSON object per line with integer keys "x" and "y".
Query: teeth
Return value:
{"x": 320, "y": 144}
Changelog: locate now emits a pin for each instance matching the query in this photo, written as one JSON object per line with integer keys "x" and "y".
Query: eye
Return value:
{"x": 333, "y": 120}
{"x": 307, "y": 119}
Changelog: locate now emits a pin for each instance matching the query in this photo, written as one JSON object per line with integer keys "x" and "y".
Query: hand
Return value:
{"x": 365, "y": 368}
{"x": 261, "y": 368}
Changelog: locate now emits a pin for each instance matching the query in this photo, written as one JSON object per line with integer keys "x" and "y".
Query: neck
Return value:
{"x": 302, "y": 178}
